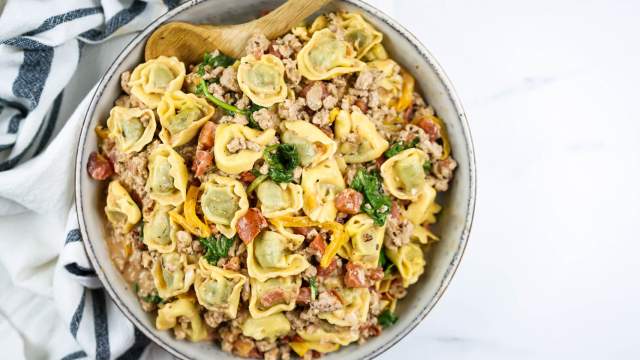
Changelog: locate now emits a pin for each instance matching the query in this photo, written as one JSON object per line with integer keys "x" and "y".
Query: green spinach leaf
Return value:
{"x": 282, "y": 159}
{"x": 376, "y": 204}
{"x": 249, "y": 112}
{"x": 314, "y": 287}
{"x": 216, "y": 247}
{"x": 399, "y": 147}
{"x": 427, "y": 166}
{"x": 214, "y": 61}
{"x": 152, "y": 298}
{"x": 204, "y": 91}
{"x": 385, "y": 263}
{"x": 387, "y": 318}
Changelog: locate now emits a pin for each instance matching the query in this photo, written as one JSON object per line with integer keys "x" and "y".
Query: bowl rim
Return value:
{"x": 417, "y": 46}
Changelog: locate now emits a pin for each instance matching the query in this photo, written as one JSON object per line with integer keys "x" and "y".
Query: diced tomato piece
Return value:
{"x": 354, "y": 276}
{"x": 99, "y": 167}
{"x": 203, "y": 161}
{"x": 304, "y": 296}
{"x": 326, "y": 271}
{"x": 318, "y": 244}
{"x": 349, "y": 201}
{"x": 250, "y": 225}
{"x": 430, "y": 129}
{"x": 301, "y": 230}
{"x": 207, "y": 135}
{"x": 247, "y": 177}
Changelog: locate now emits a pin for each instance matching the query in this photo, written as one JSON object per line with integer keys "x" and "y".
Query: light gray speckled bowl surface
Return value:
{"x": 455, "y": 220}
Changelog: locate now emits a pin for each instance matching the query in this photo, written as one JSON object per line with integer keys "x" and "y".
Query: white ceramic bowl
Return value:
{"x": 459, "y": 201}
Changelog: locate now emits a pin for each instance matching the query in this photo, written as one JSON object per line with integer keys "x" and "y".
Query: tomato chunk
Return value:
{"x": 250, "y": 225}
{"x": 203, "y": 161}
{"x": 349, "y": 201}
{"x": 99, "y": 167}
{"x": 430, "y": 129}
{"x": 355, "y": 276}
{"x": 207, "y": 135}
{"x": 304, "y": 296}
{"x": 247, "y": 177}
{"x": 318, "y": 244}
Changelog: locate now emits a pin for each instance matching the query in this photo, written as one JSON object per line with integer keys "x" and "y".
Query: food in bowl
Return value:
{"x": 277, "y": 202}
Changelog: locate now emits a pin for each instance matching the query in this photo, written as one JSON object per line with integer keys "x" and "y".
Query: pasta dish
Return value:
{"x": 278, "y": 204}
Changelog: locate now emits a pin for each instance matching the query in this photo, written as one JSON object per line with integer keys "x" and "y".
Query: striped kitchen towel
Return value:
{"x": 41, "y": 45}
{"x": 100, "y": 329}
{"x": 52, "y": 305}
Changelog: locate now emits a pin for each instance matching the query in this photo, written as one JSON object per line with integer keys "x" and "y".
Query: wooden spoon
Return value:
{"x": 188, "y": 42}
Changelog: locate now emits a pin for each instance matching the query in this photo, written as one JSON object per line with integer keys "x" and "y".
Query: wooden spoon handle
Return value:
{"x": 188, "y": 41}
{"x": 286, "y": 16}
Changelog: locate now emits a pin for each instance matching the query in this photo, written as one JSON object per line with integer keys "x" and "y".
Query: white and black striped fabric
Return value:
{"x": 52, "y": 305}
{"x": 99, "y": 328}
{"x": 41, "y": 44}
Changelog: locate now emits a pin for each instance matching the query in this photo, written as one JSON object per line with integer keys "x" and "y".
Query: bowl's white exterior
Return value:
{"x": 455, "y": 220}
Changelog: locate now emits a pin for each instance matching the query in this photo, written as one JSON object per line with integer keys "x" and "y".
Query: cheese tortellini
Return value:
{"x": 262, "y": 80}
{"x": 183, "y": 308}
{"x": 359, "y": 33}
{"x": 283, "y": 289}
{"x": 312, "y": 145}
{"x": 168, "y": 176}
{"x": 293, "y": 240}
{"x": 223, "y": 202}
{"x": 151, "y": 80}
{"x": 181, "y": 116}
{"x": 409, "y": 260}
{"x": 366, "y": 239}
{"x": 368, "y": 144}
{"x": 404, "y": 175}
{"x": 326, "y": 334}
{"x": 268, "y": 256}
{"x": 121, "y": 210}
{"x": 418, "y": 211}
{"x": 325, "y": 57}
{"x": 301, "y": 347}
{"x": 243, "y": 158}
{"x": 172, "y": 275}
{"x": 131, "y": 128}
{"x": 321, "y": 184}
{"x": 354, "y": 310}
{"x": 421, "y": 211}
{"x": 159, "y": 230}
{"x": 270, "y": 327}
{"x": 279, "y": 199}
{"x": 218, "y": 289}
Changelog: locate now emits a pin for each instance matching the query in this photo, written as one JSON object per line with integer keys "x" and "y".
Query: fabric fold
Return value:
{"x": 55, "y": 306}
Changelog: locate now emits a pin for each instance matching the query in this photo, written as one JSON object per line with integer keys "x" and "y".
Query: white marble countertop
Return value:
{"x": 548, "y": 87}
